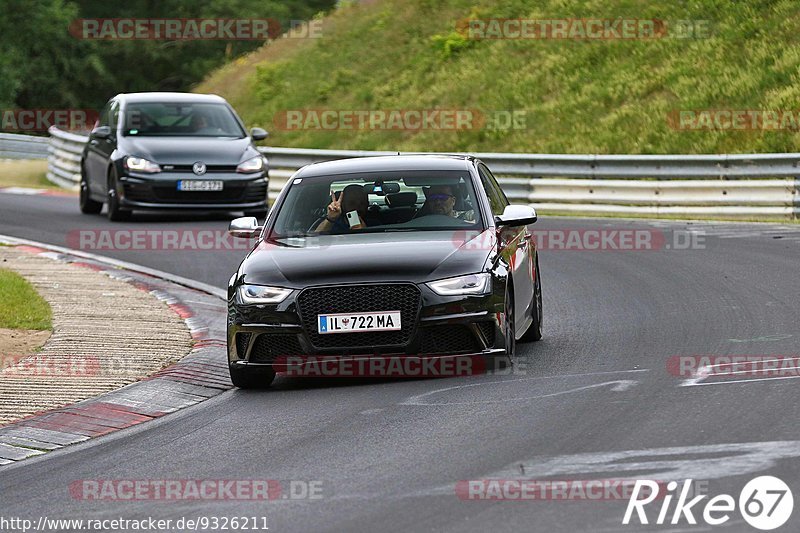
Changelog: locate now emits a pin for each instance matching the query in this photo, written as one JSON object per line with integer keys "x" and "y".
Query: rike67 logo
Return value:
{"x": 766, "y": 503}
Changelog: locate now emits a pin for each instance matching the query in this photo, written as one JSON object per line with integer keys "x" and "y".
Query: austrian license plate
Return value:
{"x": 200, "y": 185}
{"x": 355, "y": 322}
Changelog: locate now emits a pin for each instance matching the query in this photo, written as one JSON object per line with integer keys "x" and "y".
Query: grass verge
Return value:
{"x": 21, "y": 307}
{"x": 25, "y": 173}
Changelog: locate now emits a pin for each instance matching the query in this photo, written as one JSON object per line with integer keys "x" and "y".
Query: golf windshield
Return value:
{"x": 149, "y": 119}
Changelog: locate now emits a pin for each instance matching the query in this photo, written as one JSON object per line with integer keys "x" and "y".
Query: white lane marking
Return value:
{"x": 700, "y": 375}
{"x": 693, "y": 528}
{"x": 700, "y": 462}
{"x": 706, "y": 371}
{"x": 728, "y": 382}
{"x": 710, "y": 461}
{"x": 757, "y": 371}
{"x": 618, "y": 386}
{"x": 765, "y": 338}
{"x": 753, "y": 362}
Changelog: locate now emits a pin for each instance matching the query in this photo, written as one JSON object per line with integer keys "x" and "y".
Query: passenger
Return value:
{"x": 353, "y": 199}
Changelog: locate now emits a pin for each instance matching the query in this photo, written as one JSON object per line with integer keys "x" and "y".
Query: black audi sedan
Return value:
{"x": 403, "y": 257}
{"x": 172, "y": 151}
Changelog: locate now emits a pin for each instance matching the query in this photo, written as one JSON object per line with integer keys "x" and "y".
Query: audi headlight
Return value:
{"x": 255, "y": 164}
{"x": 260, "y": 294}
{"x": 138, "y": 164}
{"x": 472, "y": 284}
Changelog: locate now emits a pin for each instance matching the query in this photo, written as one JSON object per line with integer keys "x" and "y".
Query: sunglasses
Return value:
{"x": 440, "y": 197}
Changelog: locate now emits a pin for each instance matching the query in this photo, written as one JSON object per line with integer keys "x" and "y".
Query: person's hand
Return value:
{"x": 335, "y": 207}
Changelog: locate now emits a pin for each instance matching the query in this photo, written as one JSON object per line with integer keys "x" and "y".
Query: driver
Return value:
{"x": 353, "y": 199}
{"x": 441, "y": 200}
{"x": 199, "y": 124}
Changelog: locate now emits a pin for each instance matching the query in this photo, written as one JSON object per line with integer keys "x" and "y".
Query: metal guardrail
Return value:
{"x": 15, "y": 146}
{"x": 723, "y": 186}
{"x": 64, "y": 161}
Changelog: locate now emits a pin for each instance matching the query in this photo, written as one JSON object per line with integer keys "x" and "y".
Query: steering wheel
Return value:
{"x": 317, "y": 222}
{"x": 434, "y": 220}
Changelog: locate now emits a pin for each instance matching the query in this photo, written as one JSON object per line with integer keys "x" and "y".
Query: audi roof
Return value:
{"x": 386, "y": 164}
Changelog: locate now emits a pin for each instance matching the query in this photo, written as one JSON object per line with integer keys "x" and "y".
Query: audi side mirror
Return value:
{"x": 516, "y": 215}
{"x": 244, "y": 228}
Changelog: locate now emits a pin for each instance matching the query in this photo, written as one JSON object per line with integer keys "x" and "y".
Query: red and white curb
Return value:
{"x": 200, "y": 375}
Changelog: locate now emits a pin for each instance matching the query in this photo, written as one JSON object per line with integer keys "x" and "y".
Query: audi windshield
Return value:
{"x": 378, "y": 202}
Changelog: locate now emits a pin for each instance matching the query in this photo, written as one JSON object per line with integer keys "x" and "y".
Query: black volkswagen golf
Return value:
{"x": 400, "y": 257}
{"x": 172, "y": 151}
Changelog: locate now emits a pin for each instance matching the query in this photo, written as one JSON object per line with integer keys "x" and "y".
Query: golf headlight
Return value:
{"x": 138, "y": 164}
{"x": 473, "y": 284}
{"x": 255, "y": 164}
{"x": 259, "y": 294}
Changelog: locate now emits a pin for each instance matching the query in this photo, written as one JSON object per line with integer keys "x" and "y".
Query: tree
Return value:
{"x": 44, "y": 66}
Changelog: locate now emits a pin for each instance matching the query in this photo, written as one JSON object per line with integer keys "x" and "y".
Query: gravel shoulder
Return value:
{"x": 106, "y": 334}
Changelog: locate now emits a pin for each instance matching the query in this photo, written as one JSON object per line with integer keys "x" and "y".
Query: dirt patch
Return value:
{"x": 18, "y": 343}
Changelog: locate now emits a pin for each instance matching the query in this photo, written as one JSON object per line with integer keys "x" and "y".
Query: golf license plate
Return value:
{"x": 200, "y": 185}
{"x": 355, "y": 322}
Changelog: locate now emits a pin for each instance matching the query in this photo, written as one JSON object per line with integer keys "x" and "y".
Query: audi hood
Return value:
{"x": 321, "y": 260}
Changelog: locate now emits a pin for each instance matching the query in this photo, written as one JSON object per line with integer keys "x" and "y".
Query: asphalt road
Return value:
{"x": 388, "y": 454}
